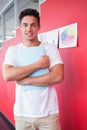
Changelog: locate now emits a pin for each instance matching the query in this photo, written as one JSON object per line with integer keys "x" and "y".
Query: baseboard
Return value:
{"x": 5, "y": 123}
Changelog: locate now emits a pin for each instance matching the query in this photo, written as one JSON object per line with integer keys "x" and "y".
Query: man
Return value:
{"x": 35, "y": 67}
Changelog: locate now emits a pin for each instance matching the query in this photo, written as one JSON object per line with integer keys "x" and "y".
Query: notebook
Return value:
{"x": 28, "y": 56}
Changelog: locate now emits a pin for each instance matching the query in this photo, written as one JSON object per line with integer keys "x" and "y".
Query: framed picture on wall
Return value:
{"x": 68, "y": 36}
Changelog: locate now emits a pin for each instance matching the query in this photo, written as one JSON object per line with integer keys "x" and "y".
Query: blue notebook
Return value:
{"x": 28, "y": 56}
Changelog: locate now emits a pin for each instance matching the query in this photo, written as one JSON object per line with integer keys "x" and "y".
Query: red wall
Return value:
{"x": 7, "y": 89}
{"x": 72, "y": 92}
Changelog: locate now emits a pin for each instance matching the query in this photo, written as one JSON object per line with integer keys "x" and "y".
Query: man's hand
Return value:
{"x": 23, "y": 81}
{"x": 44, "y": 62}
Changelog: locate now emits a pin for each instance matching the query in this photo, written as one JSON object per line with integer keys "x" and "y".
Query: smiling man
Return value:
{"x": 36, "y": 67}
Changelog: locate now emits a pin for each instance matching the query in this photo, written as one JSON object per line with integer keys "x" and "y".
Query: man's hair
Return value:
{"x": 29, "y": 12}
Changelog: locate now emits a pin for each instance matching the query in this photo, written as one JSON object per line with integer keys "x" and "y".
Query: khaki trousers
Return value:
{"x": 50, "y": 122}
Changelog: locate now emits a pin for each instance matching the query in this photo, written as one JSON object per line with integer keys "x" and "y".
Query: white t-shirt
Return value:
{"x": 34, "y": 102}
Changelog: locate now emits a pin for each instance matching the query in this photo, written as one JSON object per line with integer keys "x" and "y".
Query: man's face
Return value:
{"x": 29, "y": 27}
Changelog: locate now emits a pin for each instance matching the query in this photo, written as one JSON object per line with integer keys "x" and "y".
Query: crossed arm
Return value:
{"x": 20, "y": 74}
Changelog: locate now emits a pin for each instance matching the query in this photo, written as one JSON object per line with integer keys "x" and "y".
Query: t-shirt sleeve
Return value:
{"x": 10, "y": 57}
{"x": 54, "y": 55}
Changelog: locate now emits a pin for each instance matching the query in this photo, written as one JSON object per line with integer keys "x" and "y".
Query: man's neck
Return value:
{"x": 31, "y": 43}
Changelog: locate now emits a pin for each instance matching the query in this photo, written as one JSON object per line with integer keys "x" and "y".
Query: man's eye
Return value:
{"x": 25, "y": 25}
{"x": 33, "y": 25}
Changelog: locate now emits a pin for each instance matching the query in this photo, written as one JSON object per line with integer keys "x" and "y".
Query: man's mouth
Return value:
{"x": 29, "y": 34}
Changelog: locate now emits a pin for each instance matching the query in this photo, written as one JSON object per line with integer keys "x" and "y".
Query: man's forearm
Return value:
{"x": 53, "y": 77}
{"x": 45, "y": 80}
{"x": 11, "y": 73}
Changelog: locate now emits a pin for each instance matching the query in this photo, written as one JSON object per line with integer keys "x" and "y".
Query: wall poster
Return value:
{"x": 68, "y": 36}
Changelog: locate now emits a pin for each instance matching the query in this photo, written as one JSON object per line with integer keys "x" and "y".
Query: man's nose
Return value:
{"x": 29, "y": 28}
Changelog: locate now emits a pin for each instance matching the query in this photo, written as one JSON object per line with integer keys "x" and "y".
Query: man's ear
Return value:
{"x": 39, "y": 27}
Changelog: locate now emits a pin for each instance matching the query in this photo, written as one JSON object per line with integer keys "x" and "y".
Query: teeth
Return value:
{"x": 29, "y": 34}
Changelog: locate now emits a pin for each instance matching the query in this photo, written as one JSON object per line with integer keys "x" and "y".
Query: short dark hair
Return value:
{"x": 29, "y": 12}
